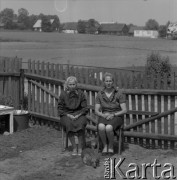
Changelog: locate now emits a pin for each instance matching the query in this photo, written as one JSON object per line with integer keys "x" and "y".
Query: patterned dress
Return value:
{"x": 74, "y": 103}
{"x": 111, "y": 105}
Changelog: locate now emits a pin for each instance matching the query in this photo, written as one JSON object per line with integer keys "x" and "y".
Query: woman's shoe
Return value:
{"x": 110, "y": 152}
{"x": 74, "y": 153}
{"x": 79, "y": 152}
{"x": 105, "y": 150}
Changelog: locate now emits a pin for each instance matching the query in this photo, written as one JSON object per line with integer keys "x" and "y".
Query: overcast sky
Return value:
{"x": 121, "y": 11}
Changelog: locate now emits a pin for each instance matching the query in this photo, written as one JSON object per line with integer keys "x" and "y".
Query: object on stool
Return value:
{"x": 90, "y": 157}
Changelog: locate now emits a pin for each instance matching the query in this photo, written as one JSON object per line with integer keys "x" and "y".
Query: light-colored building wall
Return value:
{"x": 146, "y": 33}
{"x": 70, "y": 31}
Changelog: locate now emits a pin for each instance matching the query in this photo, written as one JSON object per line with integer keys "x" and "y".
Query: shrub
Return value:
{"x": 6, "y": 100}
{"x": 9, "y": 101}
{"x": 156, "y": 64}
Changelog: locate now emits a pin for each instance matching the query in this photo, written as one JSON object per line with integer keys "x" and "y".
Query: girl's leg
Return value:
{"x": 110, "y": 135}
{"x": 102, "y": 134}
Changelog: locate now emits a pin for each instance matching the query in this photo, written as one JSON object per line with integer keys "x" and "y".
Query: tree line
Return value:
{"x": 23, "y": 20}
{"x": 91, "y": 26}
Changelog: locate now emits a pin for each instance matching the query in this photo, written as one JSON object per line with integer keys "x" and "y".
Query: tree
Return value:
{"x": 46, "y": 24}
{"x": 23, "y": 17}
{"x": 92, "y": 26}
{"x": 6, "y": 17}
{"x": 130, "y": 25}
{"x": 40, "y": 16}
{"x": 151, "y": 24}
{"x": 81, "y": 26}
{"x": 162, "y": 31}
{"x": 56, "y": 23}
{"x": 32, "y": 20}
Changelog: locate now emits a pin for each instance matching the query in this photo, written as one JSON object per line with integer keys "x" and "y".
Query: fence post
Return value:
{"x": 21, "y": 89}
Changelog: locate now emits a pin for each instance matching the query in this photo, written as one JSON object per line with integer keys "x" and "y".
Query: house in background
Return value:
{"x": 2, "y": 25}
{"x": 146, "y": 33}
{"x": 113, "y": 28}
{"x": 70, "y": 27}
{"x": 38, "y": 25}
{"x": 133, "y": 28}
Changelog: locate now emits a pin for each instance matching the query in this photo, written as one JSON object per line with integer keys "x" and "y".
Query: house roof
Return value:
{"x": 70, "y": 26}
{"x": 132, "y": 28}
{"x": 112, "y": 27}
{"x": 39, "y": 22}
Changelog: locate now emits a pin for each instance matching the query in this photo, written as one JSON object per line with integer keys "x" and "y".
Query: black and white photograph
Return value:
{"x": 88, "y": 89}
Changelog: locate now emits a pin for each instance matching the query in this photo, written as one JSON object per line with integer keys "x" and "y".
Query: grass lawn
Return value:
{"x": 92, "y": 50}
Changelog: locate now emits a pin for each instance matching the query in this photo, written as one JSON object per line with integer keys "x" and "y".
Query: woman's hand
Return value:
{"x": 76, "y": 117}
{"x": 71, "y": 116}
{"x": 110, "y": 116}
{"x": 105, "y": 115}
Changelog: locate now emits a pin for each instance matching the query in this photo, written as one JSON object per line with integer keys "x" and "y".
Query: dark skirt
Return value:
{"x": 116, "y": 122}
{"x": 75, "y": 125}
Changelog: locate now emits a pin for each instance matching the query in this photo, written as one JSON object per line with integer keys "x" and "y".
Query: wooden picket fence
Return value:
{"x": 11, "y": 82}
{"x": 124, "y": 78}
{"x": 45, "y": 82}
{"x": 45, "y": 85}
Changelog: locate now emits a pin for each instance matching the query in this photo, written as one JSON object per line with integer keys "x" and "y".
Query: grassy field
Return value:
{"x": 92, "y": 50}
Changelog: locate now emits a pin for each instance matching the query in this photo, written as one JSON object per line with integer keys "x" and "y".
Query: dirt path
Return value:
{"x": 35, "y": 154}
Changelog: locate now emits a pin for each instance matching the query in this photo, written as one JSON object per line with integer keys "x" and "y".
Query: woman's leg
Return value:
{"x": 73, "y": 143}
{"x": 110, "y": 135}
{"x": 80, "y": 141}
{"x": 102, "y": 134}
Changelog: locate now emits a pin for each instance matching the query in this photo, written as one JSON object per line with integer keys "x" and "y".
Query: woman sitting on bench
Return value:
{"x": 72, "y": 107}
{"x": 109, "y": 106}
